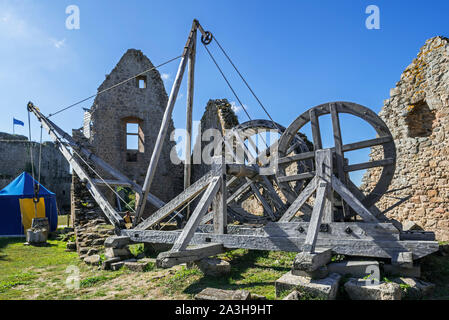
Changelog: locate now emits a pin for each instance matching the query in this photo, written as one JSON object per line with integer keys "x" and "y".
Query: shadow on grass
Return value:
{"x": 240, "y": 264}
{"x": 7, "y": 241}
{"x": 4, "y": 242}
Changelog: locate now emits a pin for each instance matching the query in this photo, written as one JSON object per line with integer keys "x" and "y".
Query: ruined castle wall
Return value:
{"x": 417, "y": 114}
{"x": 218, "y": 115}
{"x": 55, "y": 170}
{"x": 144, "y": 105}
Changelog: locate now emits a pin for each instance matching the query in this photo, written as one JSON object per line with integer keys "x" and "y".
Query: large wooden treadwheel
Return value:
{"x": 340, "y": 168}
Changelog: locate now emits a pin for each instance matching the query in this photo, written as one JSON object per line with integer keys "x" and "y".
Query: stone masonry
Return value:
{"x": 139, "y": 103}
{"x": 15, "y": 158}
{"x": 417, "y": 114}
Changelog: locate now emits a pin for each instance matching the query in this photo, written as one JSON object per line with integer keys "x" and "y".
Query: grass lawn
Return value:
{"x": 28, "y": 272}
{"x": 40, "y": 273}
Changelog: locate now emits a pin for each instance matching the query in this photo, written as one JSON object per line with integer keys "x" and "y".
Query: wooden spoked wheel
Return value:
{"x": 257, "y": 199}
{"x": 340, "y": 168}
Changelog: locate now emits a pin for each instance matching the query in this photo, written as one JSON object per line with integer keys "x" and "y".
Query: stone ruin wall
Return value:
{"x": 55, "y": 170}
{"x": 417, "y": 115}
{"x": 105, "y": 134}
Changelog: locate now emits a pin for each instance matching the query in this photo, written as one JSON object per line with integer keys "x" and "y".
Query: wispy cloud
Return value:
{"x": 58, "y": 43}
{"x": 165, "y": 76}
{"x": 237, "y": 108}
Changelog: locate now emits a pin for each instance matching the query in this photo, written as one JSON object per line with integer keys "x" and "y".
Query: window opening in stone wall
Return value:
{"x": 142, "y": 82}
{"x": 134, "y": 138}
{"x": 419, "y": 120}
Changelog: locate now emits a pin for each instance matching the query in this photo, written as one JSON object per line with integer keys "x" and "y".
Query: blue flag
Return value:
{"x": 18, "y": 122}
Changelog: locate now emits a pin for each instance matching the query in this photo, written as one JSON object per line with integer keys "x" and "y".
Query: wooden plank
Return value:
{"x": 163, "y": 129}
{"x": 369, "y": 164}
{"x": 105, "y": 182}
{"x": 324, "y": 165}
{"x": 187, "y": 233}
{"x": 240, "y": 190}
{"x": 316, "y": 134}
{"x": 339, "y": 155}
{"x": 158, "y": 203}
{"x": 297, "y": 157}
{"x": 317, "y": 214}
{"x": 262, "y": 200}
{"x": 299, "y": 202}
{"x": 352, "y": 201}
{"x": 113, "y": 217}
{"x": 366, "y": 143}
{"x": 336, "y": 230}
{"x": 172, "y": 258}
{"x": 184, "y": 197}
{"x": 189, "y": 107}
{"x": 296, "y": 177}
{"x": 219, "y": 203}
{"x": 350, "y": 247}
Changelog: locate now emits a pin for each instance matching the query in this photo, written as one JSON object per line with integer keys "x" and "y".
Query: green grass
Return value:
{"x": 29, "y": 272}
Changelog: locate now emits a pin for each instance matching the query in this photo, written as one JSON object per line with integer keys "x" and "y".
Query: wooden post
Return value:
{"x": 190, "y": 93}
{"x": 219, "y": 204}
{"x": 339, "y": 156}
{"x": 163, "y": 130}
{"x": 189, "y": 230}
{"x": 323, "y": 163}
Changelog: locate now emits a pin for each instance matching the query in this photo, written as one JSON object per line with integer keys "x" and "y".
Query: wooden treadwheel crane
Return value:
{"x": 342, "y": 217}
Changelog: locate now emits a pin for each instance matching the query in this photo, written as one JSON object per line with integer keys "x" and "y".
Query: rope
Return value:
{"x": 246, "y": 83}
{"x": 98, "y": 175}
{"x": 226, "y": 79}
{"x": 232, "y": 89}
{"x": 114, "y": 86}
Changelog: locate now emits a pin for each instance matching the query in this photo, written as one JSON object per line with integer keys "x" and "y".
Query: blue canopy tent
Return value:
{"x": 17, "y": 208}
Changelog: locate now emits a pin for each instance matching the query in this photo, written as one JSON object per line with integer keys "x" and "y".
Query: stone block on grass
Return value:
{"x": 312, "y": 261}
{"x": 326, "y": 288}
{"x": 220, "y": 294}
{"x": 357, "y": 269}
{"x": 358, "y": 289}
{"x": 414, "y": 289}
{"x": 117, "y": 242}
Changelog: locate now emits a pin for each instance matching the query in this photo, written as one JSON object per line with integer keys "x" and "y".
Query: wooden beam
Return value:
{"x": 369, "y": 164}
{"x": 315, "y": 124}
{"x": 105, "y": 182}
{"x": 335, "y": 230}
{"x": 169, "y": 259}
{"x": 350, "y": 247}
{"x": 184, "y": 197}
{"x": 219, "y": 203}
{"x": 352, "y": 201}
{"x": 296, "y": 177}
{"x": 367, "y": 143}
{"x": 113, "y": 217}
{"x": 163, "y": 129}
{"x": 297, "y": 157}
{"x": 299, "y": 202}
{"x": 189, "y": 229}
{"x": 317, "y": 214}
{"x": 189, "y": 108}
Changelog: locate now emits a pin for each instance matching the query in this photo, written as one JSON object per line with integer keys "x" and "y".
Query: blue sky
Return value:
{"x": 295, "y": 54}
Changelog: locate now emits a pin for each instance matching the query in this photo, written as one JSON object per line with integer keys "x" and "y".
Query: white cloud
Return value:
{"x": 237, "y": 108}
{"x": 165, "y": 76}
{"x": 58, "y": 43}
